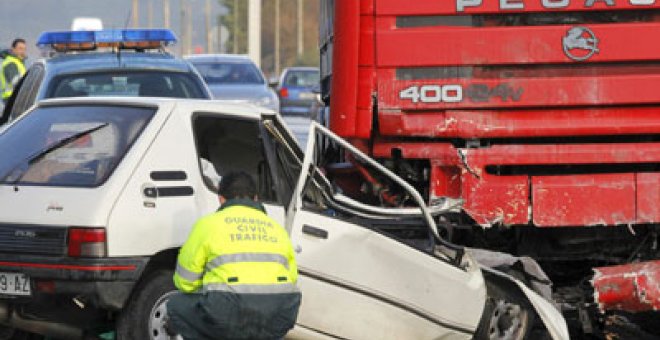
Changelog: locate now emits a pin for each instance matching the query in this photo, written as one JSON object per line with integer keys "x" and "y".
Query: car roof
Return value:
{"x": 197, "y": 105}
{"x": 219, "y": 58}
{"x": 83, "y": 62}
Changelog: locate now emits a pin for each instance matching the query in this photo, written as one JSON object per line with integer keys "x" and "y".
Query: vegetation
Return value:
{"x": 236, "y": 23}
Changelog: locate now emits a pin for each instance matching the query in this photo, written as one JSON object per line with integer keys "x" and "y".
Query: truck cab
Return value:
{"x": 541, "y": 115}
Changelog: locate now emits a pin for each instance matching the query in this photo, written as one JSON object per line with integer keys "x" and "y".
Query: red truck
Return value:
{"x": 542, "y": 115}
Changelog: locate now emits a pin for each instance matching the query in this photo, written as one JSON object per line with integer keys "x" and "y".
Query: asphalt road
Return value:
{"x": 300, "y": 128}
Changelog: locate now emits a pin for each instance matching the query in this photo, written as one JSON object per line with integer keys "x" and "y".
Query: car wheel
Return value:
{"x": 507, "y": 316}
{"x": 145, "y": 315}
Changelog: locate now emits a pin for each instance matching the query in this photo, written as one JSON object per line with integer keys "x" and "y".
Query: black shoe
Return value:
{"x": 167, "y": 325}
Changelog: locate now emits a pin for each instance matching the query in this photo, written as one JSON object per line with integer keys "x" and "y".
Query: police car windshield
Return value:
{"x": 125, "y": 83}
{"x": 106, "y": 133}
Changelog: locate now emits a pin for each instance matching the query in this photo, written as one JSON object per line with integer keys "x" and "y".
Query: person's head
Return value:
{"x": 18, "y": 48}
{"x": 236, "y": 185}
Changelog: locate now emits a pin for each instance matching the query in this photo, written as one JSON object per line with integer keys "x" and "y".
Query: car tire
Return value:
{"x": 507, "y": 315}
{"x": 144, "y": 316}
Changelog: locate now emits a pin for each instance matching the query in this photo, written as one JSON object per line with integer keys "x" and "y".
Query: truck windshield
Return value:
{"x": 102, "y": 136}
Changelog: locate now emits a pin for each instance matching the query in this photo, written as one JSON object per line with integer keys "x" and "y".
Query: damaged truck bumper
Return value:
{"x": 631, "y": 287}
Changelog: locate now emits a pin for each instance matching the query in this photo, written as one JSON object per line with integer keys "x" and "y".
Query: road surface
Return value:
{"x": 300, "y": 128}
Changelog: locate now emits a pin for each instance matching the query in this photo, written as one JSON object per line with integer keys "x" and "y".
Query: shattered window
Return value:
{"x": 289, "y": 159}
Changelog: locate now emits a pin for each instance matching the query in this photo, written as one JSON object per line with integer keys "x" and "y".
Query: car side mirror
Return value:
{"x": 273, "y": 82}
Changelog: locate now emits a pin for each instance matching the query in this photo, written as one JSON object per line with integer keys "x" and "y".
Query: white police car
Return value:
{"x": 97, "y": 195}
{"x": 128, "y": 62}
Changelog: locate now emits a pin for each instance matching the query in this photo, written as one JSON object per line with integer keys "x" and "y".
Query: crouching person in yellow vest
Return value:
{"x": 237, "y": 271}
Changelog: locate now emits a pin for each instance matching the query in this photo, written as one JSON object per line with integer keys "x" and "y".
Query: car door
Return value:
{"x": 358, "y": 282}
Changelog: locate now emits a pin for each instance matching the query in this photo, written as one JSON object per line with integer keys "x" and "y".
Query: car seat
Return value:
{"x": 68, "y": 91}
{"x": 154, "y": 87}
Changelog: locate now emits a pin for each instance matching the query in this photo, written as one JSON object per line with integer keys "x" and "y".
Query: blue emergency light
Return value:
{"x": 124, "y": 38}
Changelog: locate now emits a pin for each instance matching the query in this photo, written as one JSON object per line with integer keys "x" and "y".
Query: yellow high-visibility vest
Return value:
{"x": 6, "y": 85}
{"x": 237, "y": 249}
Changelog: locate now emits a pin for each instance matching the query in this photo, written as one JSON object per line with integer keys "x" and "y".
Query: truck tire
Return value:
{"x": 144, "y": 316}
{"x": 507, "y": 316}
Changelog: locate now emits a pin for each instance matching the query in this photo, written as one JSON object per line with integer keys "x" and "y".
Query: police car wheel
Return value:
{"x": 144, "y": 316}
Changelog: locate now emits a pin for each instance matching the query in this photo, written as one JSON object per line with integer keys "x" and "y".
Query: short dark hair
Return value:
{"x": 237, "y": 184}
{"x": 17, "y": 41}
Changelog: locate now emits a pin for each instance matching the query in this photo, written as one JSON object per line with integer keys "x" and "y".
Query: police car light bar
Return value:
{"x": 90, "y": 40}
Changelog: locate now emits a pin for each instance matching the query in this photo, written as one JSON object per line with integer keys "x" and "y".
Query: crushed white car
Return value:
{"x": 98, "y": 194}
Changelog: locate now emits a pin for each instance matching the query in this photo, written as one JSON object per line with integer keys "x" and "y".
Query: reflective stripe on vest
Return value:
{"x": 251, "y": 289}
{"x": 246, "y": 257}
{"x": 187, "y": 274}
{"x": 237, "y": 245}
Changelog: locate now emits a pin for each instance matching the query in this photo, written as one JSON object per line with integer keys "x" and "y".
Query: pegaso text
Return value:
{"x": 461, "y": 5}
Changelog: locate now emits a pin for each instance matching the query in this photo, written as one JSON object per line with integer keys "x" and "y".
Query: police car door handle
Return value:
{"x": 314, "y": 231}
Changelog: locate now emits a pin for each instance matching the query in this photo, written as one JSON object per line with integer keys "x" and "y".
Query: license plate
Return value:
{"x": 307, "y": 95}
{"x": 14, "y": 284}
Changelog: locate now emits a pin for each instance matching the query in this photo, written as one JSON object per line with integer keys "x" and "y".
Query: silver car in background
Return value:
{"x": 235, "y": 78}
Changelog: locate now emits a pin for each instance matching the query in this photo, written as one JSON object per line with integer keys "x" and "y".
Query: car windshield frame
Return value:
{"x": 188, "y": 80}
{"x": 86, "y": 162}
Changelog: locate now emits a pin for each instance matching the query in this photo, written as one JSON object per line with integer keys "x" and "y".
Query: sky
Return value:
{"x": 28, "y": 18}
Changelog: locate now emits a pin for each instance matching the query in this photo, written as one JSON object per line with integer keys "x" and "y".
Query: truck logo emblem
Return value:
{"x": 580, "y": 43}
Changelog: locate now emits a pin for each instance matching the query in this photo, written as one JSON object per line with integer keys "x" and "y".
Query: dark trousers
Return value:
{"x": 230, "y": 316}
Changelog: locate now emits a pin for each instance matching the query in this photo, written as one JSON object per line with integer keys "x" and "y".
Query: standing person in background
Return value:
{"x": 13, "y": 68}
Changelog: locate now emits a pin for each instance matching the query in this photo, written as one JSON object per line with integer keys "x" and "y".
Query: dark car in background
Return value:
{"x": 295, "y": 90}
{"x": 80, "y": 67}
{"x": 235, "y": 78}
